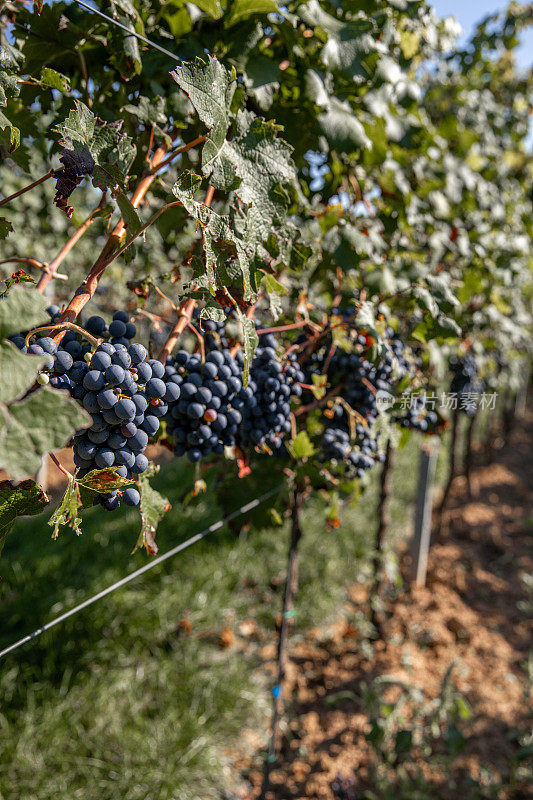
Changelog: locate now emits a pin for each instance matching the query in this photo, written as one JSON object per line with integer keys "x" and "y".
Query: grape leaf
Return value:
{"x": 130, "y": 216}
{"x": 9, "y": 87}
{"x": 210, "y": 88}
{"x": 250, "y": 342}
{"x": 211, "y": 7}
{"x": 18, "y": 371}
{"x": 263, "y": 162}
{"x": 19, "y": 500}
{"x": 242, "y": 9}
{"x": 5, "y": 228}
{"x": 153, "y": 507}
{"x": 301, "y": 446}
{"x": 341, "y": 128}
{"x": 319, "y": 385}
{"x": 22, "y": 309}
{"x": 222, "y": 245}
{"x": 67, "y": 513}
{"x": 9, "y": 133}
{"x": 104, "y": 480}
{"x": 349, "y": 43}
{"x": 104, "y": 140}
{"x": 54, "y": 80}
{"x": 41, "y": 423}
{"x": 274, "y": 290}
{"x": 272, "y": 285}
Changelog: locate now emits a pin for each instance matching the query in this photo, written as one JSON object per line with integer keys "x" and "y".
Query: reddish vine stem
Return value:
{"x": 27, "y": 188}
{"x": 163, "y": 295}
{"x": 185, "y": 313}
{"x": 280, "y": 328}
{"x": 21, "y": 260}
{"x": 87, "y": 289}
{"x": 200, "y": 339}
{"x": 53, "y": 266}
{"x": 185, "y": 309}
{"x": 177, "y": 152}
{"x": 65, "y": 326}
{"x": 60, "y": 466}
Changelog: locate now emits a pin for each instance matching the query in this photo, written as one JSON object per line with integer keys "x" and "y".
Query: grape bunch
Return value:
{"x": 205, "y": 402}
{"x": 353, "y": 442}
{"x": 349, "y": 439}
{"x": 121, "y": 389}
{"x": 466, "y": 381}
{"x": 266, "y": 410}
{"x": 421, "y": 416}
{"x": 344, "y": 788}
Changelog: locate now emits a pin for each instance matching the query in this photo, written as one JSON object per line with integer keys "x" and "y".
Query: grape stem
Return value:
{"x": 200, "y": 338}
{"x": 64, "y": 326}
{"x": 27, "y": 188}
{"x": 51, "y": 271}
{"x": 60, "y": 467}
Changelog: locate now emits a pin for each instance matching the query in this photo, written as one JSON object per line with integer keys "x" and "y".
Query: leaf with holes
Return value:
{"x": 104, "y": 480}
{"x": 153, "y": 507}
{"x": 210, "y": 88}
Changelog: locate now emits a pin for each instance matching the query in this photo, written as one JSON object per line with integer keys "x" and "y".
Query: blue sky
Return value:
{"x": 469, "y": 12}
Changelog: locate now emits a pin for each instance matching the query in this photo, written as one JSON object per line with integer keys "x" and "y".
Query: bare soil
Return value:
{"x": 471, "y": 613}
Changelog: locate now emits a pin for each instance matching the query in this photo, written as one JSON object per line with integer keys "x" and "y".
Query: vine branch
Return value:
{"x": 87, "y": 289}
{"x": 52, "y": 272}
{"x": 27, "y": 188}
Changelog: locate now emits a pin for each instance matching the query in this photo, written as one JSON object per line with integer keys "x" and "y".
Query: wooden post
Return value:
{"x": 383, "y": 524}
{"x": 468, "y": 454}
{"x": 452, "y": 466}
{"x": 291, "y": 587}
{"x": 424, "y": 505}
{"x": 521, "y": 396}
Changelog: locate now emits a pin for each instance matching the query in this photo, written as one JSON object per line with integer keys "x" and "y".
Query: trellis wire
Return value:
{"x": 159, "y": 560}
{"x": 128, "y": 31}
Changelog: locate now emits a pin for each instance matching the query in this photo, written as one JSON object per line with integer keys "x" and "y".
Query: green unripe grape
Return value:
{"x": 43, "y": 378}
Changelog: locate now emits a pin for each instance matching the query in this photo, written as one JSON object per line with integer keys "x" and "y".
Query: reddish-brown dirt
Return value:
{"x": 471, "y": 613}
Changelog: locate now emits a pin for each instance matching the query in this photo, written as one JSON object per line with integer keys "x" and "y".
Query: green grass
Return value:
{"x": 118, "y": 702}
